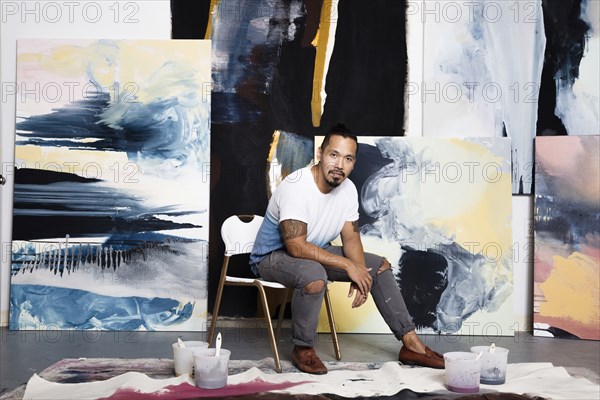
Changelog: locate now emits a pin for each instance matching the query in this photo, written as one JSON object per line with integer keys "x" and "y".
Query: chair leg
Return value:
{"x": 213, "y": 324}
{"x": 265, "y": 304}
{"x": 215, "y": 313}
{"x": 336, "y": 344}
{"x": 282, "y": 306}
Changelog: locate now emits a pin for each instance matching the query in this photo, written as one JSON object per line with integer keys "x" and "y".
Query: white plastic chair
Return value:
{"x": 239, "y": 233}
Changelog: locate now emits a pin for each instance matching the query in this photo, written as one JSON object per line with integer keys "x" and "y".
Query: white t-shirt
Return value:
{"x": 299, "y": 198}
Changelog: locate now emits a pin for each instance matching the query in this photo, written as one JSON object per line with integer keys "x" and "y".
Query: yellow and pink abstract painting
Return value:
{"x": 567, "y": 237}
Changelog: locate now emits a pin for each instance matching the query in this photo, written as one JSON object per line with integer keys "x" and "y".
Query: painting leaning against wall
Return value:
{"x": 567, "y": 237}
{"x": 474, "y": 87}
{"x": 440, "y": 210}
{"x": 110, "y": 227}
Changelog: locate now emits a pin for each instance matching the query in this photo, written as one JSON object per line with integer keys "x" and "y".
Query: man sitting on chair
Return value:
{"x": 309, "y": 209}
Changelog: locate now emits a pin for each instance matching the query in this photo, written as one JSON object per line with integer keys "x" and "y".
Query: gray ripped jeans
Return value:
{"x": 296, "y": 273}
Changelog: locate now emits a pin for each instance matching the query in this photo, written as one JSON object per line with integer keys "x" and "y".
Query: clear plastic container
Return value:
{"x": 463, "y": 370}
{"x": 211, "y": 372}
{"x": 493, "y": 365}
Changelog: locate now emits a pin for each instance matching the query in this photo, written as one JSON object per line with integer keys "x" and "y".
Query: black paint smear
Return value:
{"x": 50, "y": 204}
{"x": 565, "y": 220}
{"x": 566, "y": 35}
{"x": 238, "y": 186}
{"x": 559, "y": 333}
{"x": 139, "y": 133}
{"x": 292, "y": 89}
{"x": 78, "y": 120}
{"x": 422, "y": 279}
{"x": 46, "y": 177}
{"x": 369, "y": 68}
{"x": 366, "y": 79}
{"x": 230, "y": 108}
{"x": 189, "y": 19}
{"x": 548, "y": 124}
{"x": 32, "y": 227}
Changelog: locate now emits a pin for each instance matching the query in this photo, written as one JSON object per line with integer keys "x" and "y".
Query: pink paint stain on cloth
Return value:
{"x": 187, "y": 391}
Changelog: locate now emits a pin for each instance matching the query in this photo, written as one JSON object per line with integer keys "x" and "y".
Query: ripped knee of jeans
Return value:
{"x": 385, "y": 265}
{"x": 314, "y": 287}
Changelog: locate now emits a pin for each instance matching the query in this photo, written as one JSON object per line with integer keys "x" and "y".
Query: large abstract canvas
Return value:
{"x": 111, "y": 190}
{"x": 440, "y": 210}
{"x": 567, "y": 237}
{"x": 473, "y": 85}
{"x": 283, "y": 72}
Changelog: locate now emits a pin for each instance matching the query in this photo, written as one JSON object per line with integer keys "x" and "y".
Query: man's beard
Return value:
{"x": 335, "y": 182}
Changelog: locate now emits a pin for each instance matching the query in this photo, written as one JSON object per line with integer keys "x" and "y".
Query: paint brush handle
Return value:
{"x": 218, "y": 345}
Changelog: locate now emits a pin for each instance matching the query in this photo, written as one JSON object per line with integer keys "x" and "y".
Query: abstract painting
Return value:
{"x": 569, "y": 92}
{"x": 280, "y": 77}
{"x": 567, "y": 237}
{"x": 439, "y": 209}
{"x": 111, "y": 196}
{"x": 474, "y": 87}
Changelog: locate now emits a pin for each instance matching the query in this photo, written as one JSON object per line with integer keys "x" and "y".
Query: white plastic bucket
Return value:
{"x": 462, "y": 371}
{"x": 211, "y": 372}
{"x": 493, "y": 365}
{"x": 183, "y": 357}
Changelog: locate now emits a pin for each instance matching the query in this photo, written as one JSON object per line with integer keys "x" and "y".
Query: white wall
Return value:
{"x": 151, "y": 20}
{"x": 523, "y": 252}
{"x": 58, "y": 20}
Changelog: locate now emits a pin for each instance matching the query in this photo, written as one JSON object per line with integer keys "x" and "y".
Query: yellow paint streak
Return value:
{"x": 274, "y": 173}
{"x": 65, "y": 60}
{"x": 89, "y": 164}
{"x": 212, "y": 11}
{"x": 321, "y": 39}
{"x": 137, "y": 66}
{"x": 315, "y": 41}
{"x": 29, "y": 58}
{"x": 572, "y": 289}
{"x": 273, "y": 148}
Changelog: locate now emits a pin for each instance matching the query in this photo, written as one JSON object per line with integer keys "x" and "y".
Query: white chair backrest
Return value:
{"x": 239, "y": 236}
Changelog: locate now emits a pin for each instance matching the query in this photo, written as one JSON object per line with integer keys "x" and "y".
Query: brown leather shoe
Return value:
{"x": 430, "y": 359}
{"x": 306, "y": 360}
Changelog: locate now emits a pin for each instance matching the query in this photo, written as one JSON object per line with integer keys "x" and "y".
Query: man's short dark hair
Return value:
{"x": 340, "y": 130}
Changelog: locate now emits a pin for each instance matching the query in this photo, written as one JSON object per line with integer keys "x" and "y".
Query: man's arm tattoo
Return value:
{"x": 292, "y": 228}
{"x": 355, "y": 226}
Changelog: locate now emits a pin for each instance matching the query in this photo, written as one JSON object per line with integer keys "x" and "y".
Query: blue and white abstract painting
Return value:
{"x": 440, "y": 211}
{"x": 111, "y": 196}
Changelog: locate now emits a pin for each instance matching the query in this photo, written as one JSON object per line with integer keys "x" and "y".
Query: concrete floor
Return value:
{"x": 23, "y": 353}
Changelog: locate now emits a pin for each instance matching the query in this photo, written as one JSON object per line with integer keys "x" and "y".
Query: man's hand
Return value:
{"x": 359, "y": 298}
{"x": 294, "y": 237}
{"x": 361, "y": 280}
